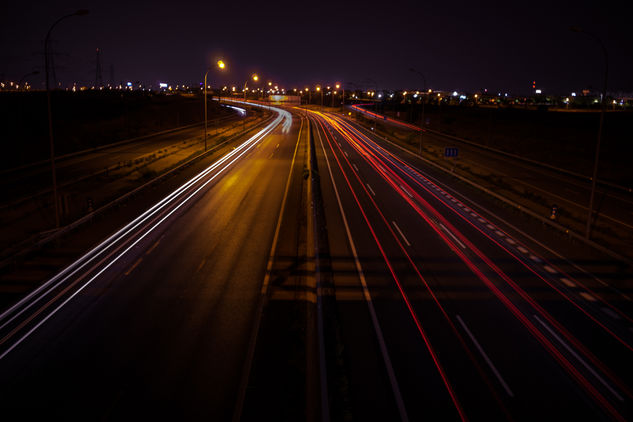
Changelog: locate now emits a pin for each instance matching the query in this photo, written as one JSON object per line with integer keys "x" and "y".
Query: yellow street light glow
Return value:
{"x": 255, "y": 77}
{"x": 270, "y": 83}
{"x": 318, "y": 88}
{"x": 221, "y": 64}
{"x": 338, "y": 86}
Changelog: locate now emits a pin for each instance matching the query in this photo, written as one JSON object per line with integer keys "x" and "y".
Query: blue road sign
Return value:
{"x": 451, "y": 152}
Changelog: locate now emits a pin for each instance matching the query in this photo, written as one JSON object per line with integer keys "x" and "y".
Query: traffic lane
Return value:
{"x": 544, "y": 367}
{"x": 565, "y": 191}
{"x": 172, "y": 331}
{"x": 595, "y": 268}
{"x": 372, "y": 396}
{"x": 424, "y": 388}
{"x": 605, "y": 332}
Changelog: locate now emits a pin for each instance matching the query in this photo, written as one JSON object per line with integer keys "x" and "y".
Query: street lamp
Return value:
{"x": 80, "y": 12}
{"x": 423, "y": 101}
{"x": 603, "y": 105}
{"x": 255, "y": 79}
{"x": 318, "y": 88}
{"x": 221, "y": 65}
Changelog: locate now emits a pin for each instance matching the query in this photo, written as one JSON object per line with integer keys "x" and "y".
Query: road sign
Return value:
{"x": 451, "y": 152}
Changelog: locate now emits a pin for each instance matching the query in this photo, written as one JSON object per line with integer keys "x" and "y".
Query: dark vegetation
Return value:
{"x": 562, "y": 139}
{"x": 89, "y": 119}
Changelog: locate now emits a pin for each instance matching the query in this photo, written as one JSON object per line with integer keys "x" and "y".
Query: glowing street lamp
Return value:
{"x": 221, "y": 66}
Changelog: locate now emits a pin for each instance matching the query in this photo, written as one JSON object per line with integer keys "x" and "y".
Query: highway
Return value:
{"x": 208, "y": 304}
{"x": 445, "y": 315}
{"x": 155, "y": 321}
{"x": 534, "y": 185}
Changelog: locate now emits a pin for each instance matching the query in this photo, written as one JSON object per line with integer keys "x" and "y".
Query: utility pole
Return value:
{"x": 81, "y": 12}
{"x": 98, "y": 77}
{"x": 594, "y": 176}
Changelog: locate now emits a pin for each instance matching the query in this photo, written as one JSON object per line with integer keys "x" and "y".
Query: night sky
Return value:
{"x": 464, "y": 46}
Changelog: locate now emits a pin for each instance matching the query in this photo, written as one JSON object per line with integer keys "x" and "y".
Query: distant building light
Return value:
{"x": 455, "y": 93}
{"x": 462, "y": 97}
{"x": 129, "y": 84}
{"x": 538, "y": 91}
{"x": 573, "y": 94}
{"x": 162, "y": 85}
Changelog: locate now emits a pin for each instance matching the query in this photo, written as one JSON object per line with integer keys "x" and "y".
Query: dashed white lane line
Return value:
{"x": 406, "y": 191}
{"x": 522, "y": 249}
{"x": 499, "y": 233}
{"x": 481, "y": 220}
{"x": 401, "y": 234}
{"x": 371, "y": 190}
{"x": 549, "y": 269}
{"x": 453, "y": 236}
{"x": 486, "y": 358}
{"x": 611, "y": 313}
{"x": 588, "y": 297}
{"x": 490, "y": 226}
{"x": 511, "y": 241}
{"x": 355, "y": 167}
{"x": 466, "y": 209}
{"x": 346, "y": 154}
{"x": 535, "y": 258}
{"x": 567, "y": 282}
{"x": 472, "y": 214}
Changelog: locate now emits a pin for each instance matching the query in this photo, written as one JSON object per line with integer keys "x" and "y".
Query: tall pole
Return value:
{"x": 80, "y": 12}
{"x": 594, "y": 176}
{"x": 205, "y": 109}
{"x": 423, "y": 101}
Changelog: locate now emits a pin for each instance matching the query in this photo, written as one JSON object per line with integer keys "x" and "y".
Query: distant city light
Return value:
{"x": 573, "y": 94}
{"x": 538, "y": 91}
{"x": 162, "y": 85}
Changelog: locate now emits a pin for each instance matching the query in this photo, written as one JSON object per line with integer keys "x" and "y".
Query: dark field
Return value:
{"x": 562, "y": 139}
{"x": 87, "y": 119}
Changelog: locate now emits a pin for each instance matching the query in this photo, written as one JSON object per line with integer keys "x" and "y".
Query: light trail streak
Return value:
{"x": 581, "y": 347}
{"x": 17, "y": 310}
{"x": 396, "y": 182}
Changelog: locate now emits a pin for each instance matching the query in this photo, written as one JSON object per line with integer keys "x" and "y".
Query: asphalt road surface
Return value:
{"x": 157, "y": 325}
{"x": 453, "y": 318}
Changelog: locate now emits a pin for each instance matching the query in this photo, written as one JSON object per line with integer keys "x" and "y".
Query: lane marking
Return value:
{"x": 522, "y": 249}
{"x": 499, "y": 233}
{"x": 570, "y": 350}
{"x": 201, "y": 265}
{"x": 406, "y": 191}
{"x": 346, "y": 154}
{"x": 153, "y": 246}
{"x": 486, "y": 358}
{"x": 535, "y": 258}
{"x": 511, "y": 241}
{"x": 401, "y": 234}
{"x": 490, "y": 226}
{"x": 371, "y": 190}
{"x": 355, "y": 167}
{"x": 481, "y": 220}
{"x": 611, "y": 313}
{"x": 372, "y": 312}
{"x": 138, "y": 261}
{"x": 550, "y": 269}
{"x": 588, "y": 297}
{"x": 453, "y": 236}
{"x": 567, "y": 282}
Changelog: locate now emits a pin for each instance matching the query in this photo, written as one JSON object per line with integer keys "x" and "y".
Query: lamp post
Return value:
{"x": 594, "y": 176}
{"x": 318, "y": 88}
{"x": 221, "y": 65}
{"x": 423, "y": 101}
{"x": 255, "y": 78}
{"x": 80, "y": 12}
